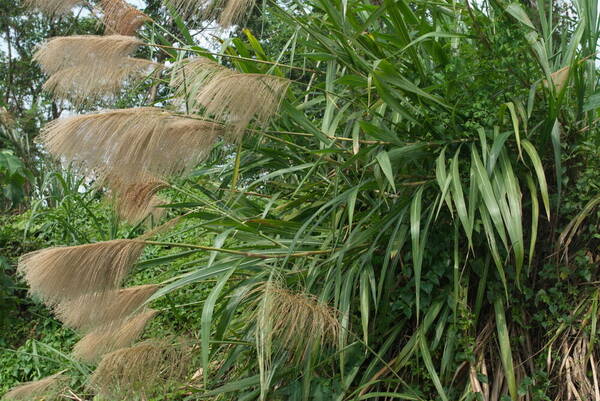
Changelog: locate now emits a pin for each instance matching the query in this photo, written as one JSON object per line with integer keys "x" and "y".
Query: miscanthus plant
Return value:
{"x": 382, "y": 183}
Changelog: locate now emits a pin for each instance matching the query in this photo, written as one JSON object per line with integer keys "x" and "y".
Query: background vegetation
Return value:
{"x": 432, "y": 174}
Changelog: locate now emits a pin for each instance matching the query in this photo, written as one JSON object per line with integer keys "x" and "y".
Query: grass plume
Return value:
{"x": 226, "y": 12}
{"x": 64, "y": 273}
{"x": 111, "y": 337}
{"x": 137, "y": 201}
{"x": 121, "y": 18}
{"x": 143, "y": 370}
{"x": 100, "y": 309}
{"x": 295, "y": 320}
{"x": 6, "y": 118}
{"x": 48, "y": 388}
{"x": 132, "y": 143}
{"x": 228, "y": 96}
{"x": 234, "y": 11}
{"x": 87, "y": 84}
{"x": 289, "y": 325}
{"x": 64, "y": 52}
{"x": 190, "y": 75}
{"x": 189, "y": 8}
{"x": 52, "y": 7}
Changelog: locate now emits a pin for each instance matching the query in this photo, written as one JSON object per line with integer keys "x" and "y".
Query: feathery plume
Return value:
{"x": 132, "y": 143}
{"x": 100, "y": 309}
{"x": 121, "y": 18}
{"x": 111, "y": 337}
{"x": 52, "y": 7}
{"x": 291, "y": 321}
{"x": 63, "y": 273}
{"x": 560, "y": 78}
{"x": 229, "y": 96}
{"x": 227, "y": 12}
{"x": 238, "y": 98}
{"x": 188, "y": 77}
{"x": 87, "y": 84}
{"x": 295, "y": 320}
{"x": 6, "y": 118}
{"x": 48, "y": 389}
{"x": 84, "y": 50}
{"x": 136, "y": 201}
{"x": 234, "y": 11}
{"x": 143, "y": 370}
{"x": 189, "y": 8}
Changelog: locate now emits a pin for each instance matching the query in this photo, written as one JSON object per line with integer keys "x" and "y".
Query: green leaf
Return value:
{"x": 489, "y": 197}
{"x": 517, "y": 11}
{"x": 424, "y": 348}
{"x": 593, "y": 102}
{"x": 415, "y": 233}
{"x": 364, "y": 304}
{"x": 199, "y": 275}
{"x": 459, "y": 199}
{"x": 535, "y": 212}
{"x": 207, "y": 318}
{"x": 505, "y": 348}
{"x": 539, "y": 171}
{"x": 555, "y": 135}
{"x": 386, "y": 166}
{"x": 513, "y": 213}
{"x": 515, "y": 123}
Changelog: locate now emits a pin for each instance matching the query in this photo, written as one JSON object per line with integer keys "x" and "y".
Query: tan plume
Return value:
{"x": 88, "y": 84}
{"x": 238, "y": 98}
{"x": 190, "y": 8}
{"x": 228, "y": 96}
{"x": 64, "y": 273}
{"x": 52, "y": 7}
{"x": 295, "y": 321}
{"x": 48, "y": 388}
{"x": 190, "y": 75}
{"x": 6, "y": 118}
{"x": 121, "y": 18}
{"x": 84, "y": 50}
{"x": 234, "y": 11}
{"x": 136, "y": 201}
{"x": 95, "y": 310}
{"x": 227, "y": 12}
{"x": 560, "y": 78}
{"x": 144, "y": 370}
{"x": 132, "y": 143}
{"x": 111, "y": 337}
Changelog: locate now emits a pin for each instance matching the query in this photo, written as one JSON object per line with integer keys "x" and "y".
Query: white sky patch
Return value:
{"x": 138, "y": 3}
{"x": 3, "y": 45}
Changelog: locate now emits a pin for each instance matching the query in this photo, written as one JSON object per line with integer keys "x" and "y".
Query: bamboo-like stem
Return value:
{"x": 243, "y": 253}
{"x": 291, "y": 67}
{"x": 227, "y": 214}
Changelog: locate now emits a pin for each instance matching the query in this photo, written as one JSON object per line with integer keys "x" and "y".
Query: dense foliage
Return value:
{"x": 431, "y": 174}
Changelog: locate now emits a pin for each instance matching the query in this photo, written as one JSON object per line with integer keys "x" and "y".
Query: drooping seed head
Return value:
{"x": 111, "y": 337}
{"x": 226, "y": 12}
{"x": 48, "y": 388}
{"x": 294, "y": 321}
{"x": 132, "y": 143}
{"x": 64, "y": 52}
{"x": 121, "y": 18}
{"x": 101, "y": 309}
{"x": 233, "y": 98}
{"x": 65, "y": 273}
{"x": 143, "y": 370}
{"x": 52, "y": 7}
{"x": 88, "y": 84}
